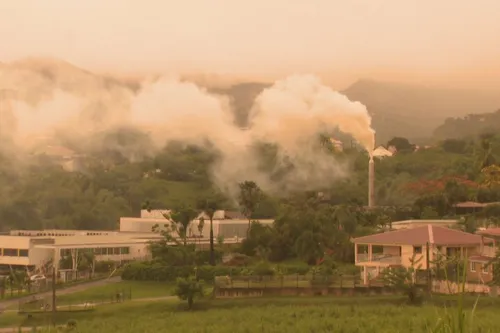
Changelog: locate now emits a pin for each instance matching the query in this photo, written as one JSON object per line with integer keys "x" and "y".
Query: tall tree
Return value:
{"x": 182, "y": 216}
{"x": 401, "y": 144}
{"x": 249, "y": 198}
{"x": 209, "y": 205}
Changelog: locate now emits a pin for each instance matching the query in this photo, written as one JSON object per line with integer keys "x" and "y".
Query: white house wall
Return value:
{"x": 16, "y": 243}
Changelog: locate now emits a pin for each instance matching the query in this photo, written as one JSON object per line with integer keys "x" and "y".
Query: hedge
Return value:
{"x": 155, "y": 271}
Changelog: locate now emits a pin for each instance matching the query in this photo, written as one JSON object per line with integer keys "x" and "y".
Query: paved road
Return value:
{"x": 65, "y": 291}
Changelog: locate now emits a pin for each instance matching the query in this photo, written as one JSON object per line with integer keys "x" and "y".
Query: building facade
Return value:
{"x": 421, "y": 248}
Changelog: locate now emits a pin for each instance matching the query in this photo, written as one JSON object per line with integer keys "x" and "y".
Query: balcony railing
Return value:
{"x": 381, "y": 258}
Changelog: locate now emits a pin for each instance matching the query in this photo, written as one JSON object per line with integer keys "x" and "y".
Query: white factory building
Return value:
{"x": 226, "y": 224}
{"x": 44, "y": 248}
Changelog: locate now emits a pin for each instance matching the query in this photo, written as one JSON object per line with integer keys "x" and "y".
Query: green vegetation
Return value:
{"x": 313, "y": 229}
{"x": 359, "y": 314}
{"x": 111, "y": 187}
{"x": 135, "y": 289}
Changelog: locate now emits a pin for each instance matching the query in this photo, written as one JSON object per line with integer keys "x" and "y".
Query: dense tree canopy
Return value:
{"x": 36, "y": 192}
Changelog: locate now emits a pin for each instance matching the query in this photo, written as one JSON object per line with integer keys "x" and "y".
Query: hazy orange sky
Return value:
{"x": 453, "y": 42}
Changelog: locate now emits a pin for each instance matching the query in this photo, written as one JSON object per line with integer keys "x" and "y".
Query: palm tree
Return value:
{"x": 249, "y": 199}
{"x": 182, "y": 216}
{"x": 209, "y": 206}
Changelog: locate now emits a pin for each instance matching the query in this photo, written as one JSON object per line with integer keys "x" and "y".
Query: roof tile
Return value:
{"x": 421, "y": 235}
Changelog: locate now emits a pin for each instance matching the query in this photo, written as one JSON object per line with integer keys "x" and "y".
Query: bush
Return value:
{"x": 203, "y": 257}
{"x": 239, "y": 260}
{"x": 151, "y": 271}
{"x": 104, "y": 266}
{"x": 156, "y": 271}
{"x": 188, "y": 289}
{"x": 263, "y": 268}
{"x": 300, "y": 269}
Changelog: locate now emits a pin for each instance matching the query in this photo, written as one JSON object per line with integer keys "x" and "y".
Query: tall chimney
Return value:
{"x": 371, "y": 183}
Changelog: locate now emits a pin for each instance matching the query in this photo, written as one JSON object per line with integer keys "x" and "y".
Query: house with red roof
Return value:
{"x": 398, "y": 248}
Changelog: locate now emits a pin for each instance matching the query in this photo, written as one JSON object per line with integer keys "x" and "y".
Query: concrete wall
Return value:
{"x": 475, "y": 272}
{"x": 409, "y": 252}
{"x": 135, "y": 224}
{"x": 40, "y": 256}
{"x": 17, "y": 243}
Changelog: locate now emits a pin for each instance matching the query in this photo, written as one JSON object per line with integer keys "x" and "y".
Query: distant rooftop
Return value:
{"x": 218, "y": 215}
{"x": 490, "y": 232}
{"x": 421, "y": 235}
{"x": 425, "y": 222}
{"x": 473, "y": 204}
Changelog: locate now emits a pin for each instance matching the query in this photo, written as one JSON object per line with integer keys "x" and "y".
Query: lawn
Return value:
{"x": 387, "y": 314}
{"x": 104, "y": 294}
{"x": 136, "y": 289}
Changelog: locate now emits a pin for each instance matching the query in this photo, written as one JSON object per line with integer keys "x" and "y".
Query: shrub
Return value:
{"x": 188, "y": 289}
{"x": 239, "y": 260}
{"x": 105, "y": 266}
{"x": 263, "y": 268}
{"x": 152, "y": 271}
{"x": 157, "y": 271}
{"x": 203, "y": 257}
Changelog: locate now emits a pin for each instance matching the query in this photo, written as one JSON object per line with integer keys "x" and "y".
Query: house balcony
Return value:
{"x": 489, "y": 251}
{"x": 383, "y": 259}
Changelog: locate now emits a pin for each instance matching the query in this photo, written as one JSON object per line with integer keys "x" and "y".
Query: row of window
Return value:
{"x": 484, "y": 267}
{"x": 98, "y": 251}
{"x": 54, "y": 234}
{"x": 14, "y": 252}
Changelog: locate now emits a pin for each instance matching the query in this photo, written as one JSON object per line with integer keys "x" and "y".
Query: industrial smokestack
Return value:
{"x": 371, "y": 183}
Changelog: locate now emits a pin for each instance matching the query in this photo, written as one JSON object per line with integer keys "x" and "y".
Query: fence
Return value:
{"x": 35, "y": 287}
{"x": 288, "y": 281}
{"x": 450, "y": 287}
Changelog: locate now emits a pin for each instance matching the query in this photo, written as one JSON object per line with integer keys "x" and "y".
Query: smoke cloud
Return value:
{"x": 49, "y": 100}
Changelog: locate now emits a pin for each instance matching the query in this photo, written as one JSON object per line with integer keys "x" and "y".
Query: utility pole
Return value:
{"x": 54, "y": 306}
{"x": 428, "y": 266}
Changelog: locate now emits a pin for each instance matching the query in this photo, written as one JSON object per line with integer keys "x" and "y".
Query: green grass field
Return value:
{"x": 387, "y": 314}
{"x": 107, "y": 292}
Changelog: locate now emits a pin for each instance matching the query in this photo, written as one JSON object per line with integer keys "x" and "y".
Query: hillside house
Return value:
{"x": 381, "y": 152}
{"x": 471, "y": 207}
{"x": 377, "y": 252}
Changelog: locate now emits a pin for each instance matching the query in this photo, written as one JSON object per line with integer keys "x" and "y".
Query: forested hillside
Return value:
{"x": 118, "y": 168}
{"x": 40, "y": 194}
{"x": 470, "y": 125}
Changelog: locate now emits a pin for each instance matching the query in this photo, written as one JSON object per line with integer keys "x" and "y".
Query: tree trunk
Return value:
{"x": 190, "y": 302}
{"x": 212, "y": 254}
{"x": 249, "y": 224}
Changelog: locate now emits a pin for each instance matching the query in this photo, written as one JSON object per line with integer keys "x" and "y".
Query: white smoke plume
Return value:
{"x": 54, "y": 97}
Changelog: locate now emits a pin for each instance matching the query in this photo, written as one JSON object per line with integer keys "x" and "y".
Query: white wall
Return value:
{"x": 134, "y": 224}
{"x": 39, "y": 256}
{"x": 226, "y": 228}
{"x": 14, "y": 242}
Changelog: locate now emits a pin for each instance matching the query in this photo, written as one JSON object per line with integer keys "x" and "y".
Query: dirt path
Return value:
{"x": 65, "y": 291}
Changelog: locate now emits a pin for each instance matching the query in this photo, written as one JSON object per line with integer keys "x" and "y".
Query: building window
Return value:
{"x": 23, "y": 253}
{"x": 417, "y": 249}
{"x": 10, "y": 252}
{"x": 472, "y": 266}
{"x": 485, "y": 269}
{"x": 125, "y": 250}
